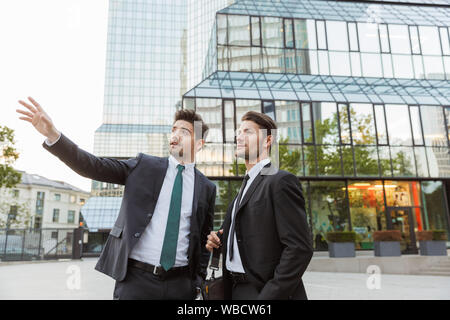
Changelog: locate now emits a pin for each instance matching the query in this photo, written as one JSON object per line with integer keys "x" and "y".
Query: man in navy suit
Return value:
{"x": 156, "y": 248}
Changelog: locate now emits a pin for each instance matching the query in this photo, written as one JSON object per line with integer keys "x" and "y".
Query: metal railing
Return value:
{"x": 35, "y": 244}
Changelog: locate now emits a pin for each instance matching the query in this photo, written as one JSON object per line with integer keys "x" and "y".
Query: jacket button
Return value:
{"x": 137, "y": 235}
{"x": 149, "y": 215}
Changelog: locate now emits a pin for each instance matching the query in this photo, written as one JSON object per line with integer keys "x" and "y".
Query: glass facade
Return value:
{"x": 361, "y": 97}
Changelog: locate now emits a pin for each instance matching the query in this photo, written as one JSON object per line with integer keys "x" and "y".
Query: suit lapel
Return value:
{"x": 250, "y": 191}
{"x": 198, "y": 186}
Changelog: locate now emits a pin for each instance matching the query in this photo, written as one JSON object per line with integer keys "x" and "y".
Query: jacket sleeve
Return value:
{"x": 293, "y": 230}
{"x": 89, "y": 166}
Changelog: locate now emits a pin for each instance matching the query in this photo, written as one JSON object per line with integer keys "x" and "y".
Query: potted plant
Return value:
{"x": 341, "y": 244}
{"x": 432, "y": 242}
{"x": 387, "y": 243}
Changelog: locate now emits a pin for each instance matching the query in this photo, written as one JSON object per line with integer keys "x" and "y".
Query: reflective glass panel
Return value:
{"x": 434, "y": 206}
{"x": 429, "y": 40}
{"x": 402, "y": 66}
{"x": 403, "y": 162}
{"x": 288, "y": 33}
{"x": 381, "y": 124}
{"x": 325, "y": 123}
{"x": 305, "y": 34}
{"x": 337, "y": 35}
{"x": 366, "y": 161}
{"x": 307, "y": 124}
{"x": 368, "y": 37}
{"x": 288, "y": 121}
{"x": 328, "y": 161}
{"x": 384, "y": 38}
{"x": 353, "y": 36}
{"x": 271, "y": 32}
{"x": 344, "y": 124}
{"x": 339, "y": 63}
{"x": 363, "y": 126}
{"x": 256, "y": 32}
{"x": 238, "y": 30}
{"x": 321, "y": 35}
{"x": 433, "y": 126}
{"x": 399, "y": 39}
{"x": 414, "y": 34}
{"x": 416, "y": 125}
{"x": 371, "y": 65}
{"x": 399, "y": 127}
{"x": 367, "y": 210}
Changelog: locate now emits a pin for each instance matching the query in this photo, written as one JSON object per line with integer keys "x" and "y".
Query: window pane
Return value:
{"x": 288, "y": 121}
{"x": 307, "y": 123}
{"x": 329, "y": 209}
{"x": 324, "y": 67}
{"x": 321, "y": 35}
{"x": 414, "y": 34}
{"x": 402, "y": 66}
{"x": 344, "y": 124}
{"x": 387, "y": 65}
{"x": 434, "y": 206}
{"x": 371, "y": 65}
{"x": 398, "y": 124}
{"x": 384, "y": 156}
{"x": 288, "y": 33}
{"x": 210, "y": 110}
{"x": 228, "y": 109}
{"x": 433, "y": 67}
{"x": 356, "y": 64}
{"x": 429, "y": 40}
{"x": 445, "y": 40}
{"x": 269, "y": 109}
{"x": 273, "y": 60}
{"x": 238, "y": 30}
{"x": 240, "y": 59}
{"x": 339, "y": 64}
{"x": 256, "y": 60}
{"x": 384, "y": 38}
{"x": 347, "y": 161}
{"x": 368, "y": 37}
{"x": 305, "y": 34}
{"x": 328, "y": 161}
{"x": 291, "y": 159}
{"x": 433, "y": 126}
{"x": 366, "y": 161}
{"x": 353, "y": 35}
{"x": 418, "y": 67}
{"x": 402, "y": 193}
{"x": 271, "y": 32}
{"x": 415, "y": 123}
{"x": 221, "y": 29}
{"x": 310, "y": 160}
{"x": 447, "y": 116}
{"x": 421, "y": 162}
{"x": 367, "y": 210}
{"x": 325, "y": 123}
{"x": 438, "y": 161}
{"x": 289, "y": 60}
{"x": 399, "y": 39}
{"x": 403, "y": 163}
{"x": 337, "y": 35}
{"x": 363, "y": 126}
{"x": 256, "y": 36}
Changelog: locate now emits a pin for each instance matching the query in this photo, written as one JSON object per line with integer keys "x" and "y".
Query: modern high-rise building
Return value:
{"x": 359, "y": 89}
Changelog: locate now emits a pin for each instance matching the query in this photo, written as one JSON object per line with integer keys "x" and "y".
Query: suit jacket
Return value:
{"x": 273, "y": 236}
{"x": 143, "y": 177}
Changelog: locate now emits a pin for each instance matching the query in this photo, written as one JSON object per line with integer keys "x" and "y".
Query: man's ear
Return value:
{"x": 199, "y": 144}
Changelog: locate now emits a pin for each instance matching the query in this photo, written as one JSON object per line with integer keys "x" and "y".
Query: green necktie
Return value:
{"x": 169, "y": 249}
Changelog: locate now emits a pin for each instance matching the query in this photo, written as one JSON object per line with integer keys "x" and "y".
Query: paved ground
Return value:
{"x": 79, "y": 280}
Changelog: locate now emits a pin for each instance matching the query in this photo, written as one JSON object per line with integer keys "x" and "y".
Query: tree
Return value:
{"x": 8, "y": 155}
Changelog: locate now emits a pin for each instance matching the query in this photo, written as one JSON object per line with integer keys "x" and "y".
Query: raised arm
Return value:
{"x": 82, "y": 162}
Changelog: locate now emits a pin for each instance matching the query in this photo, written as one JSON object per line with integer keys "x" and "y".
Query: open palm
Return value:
{"x": 39, "y": 119}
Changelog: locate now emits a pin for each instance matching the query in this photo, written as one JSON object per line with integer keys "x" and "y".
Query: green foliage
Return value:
{"x": 8, "y": 155}
{"x": 341, "y": 236}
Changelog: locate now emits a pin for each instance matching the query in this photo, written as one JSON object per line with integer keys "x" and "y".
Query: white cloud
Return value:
{"x": 54, "y": 51}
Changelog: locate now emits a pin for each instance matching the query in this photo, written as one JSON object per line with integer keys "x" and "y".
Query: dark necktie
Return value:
{"x": 236, "y": 206}
{"x": 169, "y": 249}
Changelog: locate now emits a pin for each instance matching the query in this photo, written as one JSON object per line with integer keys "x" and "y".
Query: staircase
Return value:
{"x": 442, "y": 268}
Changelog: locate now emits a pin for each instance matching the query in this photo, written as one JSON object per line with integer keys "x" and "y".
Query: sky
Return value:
{"x": 53, "y": 51}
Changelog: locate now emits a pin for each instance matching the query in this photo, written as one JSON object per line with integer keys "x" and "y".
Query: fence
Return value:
{"x": 35, "y": 244}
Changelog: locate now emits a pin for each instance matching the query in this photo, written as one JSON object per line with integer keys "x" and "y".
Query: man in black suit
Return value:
{"x": 156, "y": 248}
{"x": 266, "y": 245}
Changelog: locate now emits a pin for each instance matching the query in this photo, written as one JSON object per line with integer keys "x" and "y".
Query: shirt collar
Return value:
{"x": 173, "y": 162}
{"x": 257, "y": 168}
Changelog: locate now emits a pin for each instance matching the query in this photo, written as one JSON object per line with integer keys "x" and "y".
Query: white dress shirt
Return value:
{"x": 236, "y": 264}
{"x": 149, "y": 247}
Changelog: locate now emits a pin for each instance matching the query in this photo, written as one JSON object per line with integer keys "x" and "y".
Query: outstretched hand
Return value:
{"x": 39, "y": 119}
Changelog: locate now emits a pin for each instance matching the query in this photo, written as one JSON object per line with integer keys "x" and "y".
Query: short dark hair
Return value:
{"x": 191, "y": 116}
{"x": 261, "y": 119}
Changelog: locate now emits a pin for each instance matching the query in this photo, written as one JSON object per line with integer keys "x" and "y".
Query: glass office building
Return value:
{"x": 360, "y": 92}
{"x": 361, "y": 95}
